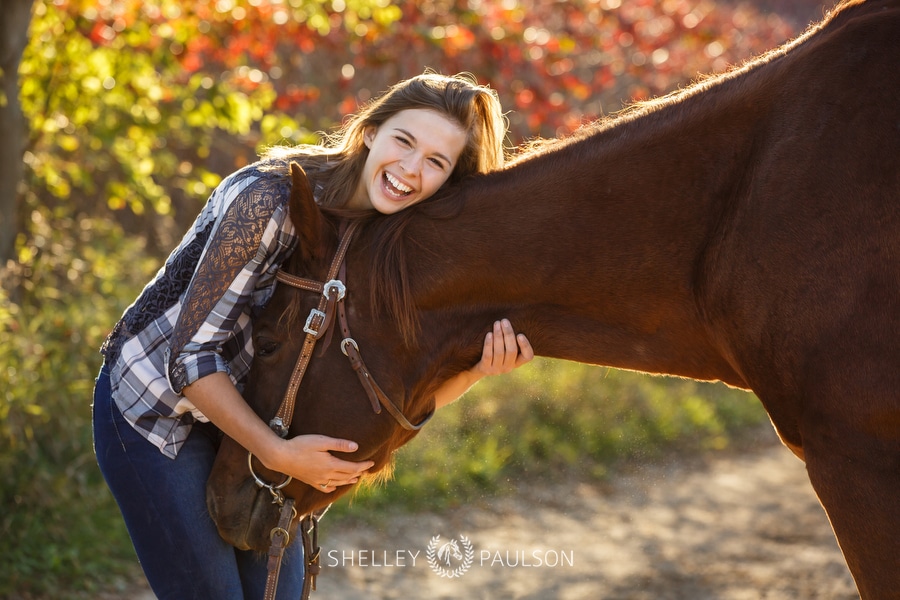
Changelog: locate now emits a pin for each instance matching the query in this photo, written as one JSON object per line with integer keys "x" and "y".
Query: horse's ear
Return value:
{"x": 305, "y": 214}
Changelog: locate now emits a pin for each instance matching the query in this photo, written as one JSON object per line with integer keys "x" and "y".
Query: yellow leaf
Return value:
{"x": 69, "y": 143}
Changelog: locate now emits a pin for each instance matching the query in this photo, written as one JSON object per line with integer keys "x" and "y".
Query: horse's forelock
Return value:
{"x": 291, "y": 315}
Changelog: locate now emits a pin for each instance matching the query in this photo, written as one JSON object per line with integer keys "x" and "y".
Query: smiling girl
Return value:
{"x": 176, "y": 362}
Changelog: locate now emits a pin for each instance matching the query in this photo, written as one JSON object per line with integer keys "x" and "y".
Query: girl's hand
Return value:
{"x": 503, "y": 350}
{"x": 309, "y": 459}
{"x": 305, "y": 457}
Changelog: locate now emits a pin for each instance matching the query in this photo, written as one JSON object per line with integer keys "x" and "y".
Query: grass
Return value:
{"x": 551, "y": 417}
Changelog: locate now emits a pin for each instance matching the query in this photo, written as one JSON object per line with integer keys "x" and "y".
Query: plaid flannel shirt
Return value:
{"x": 193, "y": 318}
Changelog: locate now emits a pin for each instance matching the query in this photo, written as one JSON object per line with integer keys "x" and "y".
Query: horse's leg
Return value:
{"x": 862, "y": 499}
{"x": 851, "y": 441}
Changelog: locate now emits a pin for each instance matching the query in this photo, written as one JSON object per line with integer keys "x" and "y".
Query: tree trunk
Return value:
{"x": 15, "y": 16}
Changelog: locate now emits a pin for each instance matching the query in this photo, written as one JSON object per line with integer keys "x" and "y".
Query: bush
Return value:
{"x": 60, "y": 526}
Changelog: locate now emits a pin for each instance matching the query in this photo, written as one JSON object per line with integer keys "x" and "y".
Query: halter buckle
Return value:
{"x": 312, "y": 325}
{"x": 277, "y": 425}
{"x": 349, "y": 342}
{"x": 338, "y": 286}
{"x": 274, "y": 489}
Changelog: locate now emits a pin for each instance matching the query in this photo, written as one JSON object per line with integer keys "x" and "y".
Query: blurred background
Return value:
{"x": 119, "y": 117}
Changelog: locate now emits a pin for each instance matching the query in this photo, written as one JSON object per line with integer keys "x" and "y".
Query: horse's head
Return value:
{"x": 448, "y": 550}
{"x": 332, "y": 399}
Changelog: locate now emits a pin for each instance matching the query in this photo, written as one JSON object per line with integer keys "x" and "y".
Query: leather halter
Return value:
{"x": 317, "y": 324}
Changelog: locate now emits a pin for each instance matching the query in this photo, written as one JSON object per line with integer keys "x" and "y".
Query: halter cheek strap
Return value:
{"x": 317, "y": 323}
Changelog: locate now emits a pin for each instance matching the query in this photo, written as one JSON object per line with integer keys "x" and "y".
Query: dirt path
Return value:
{"x": 728, "y": 527}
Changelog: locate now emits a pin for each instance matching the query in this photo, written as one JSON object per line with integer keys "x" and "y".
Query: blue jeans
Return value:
{"x": 163, "y": 502}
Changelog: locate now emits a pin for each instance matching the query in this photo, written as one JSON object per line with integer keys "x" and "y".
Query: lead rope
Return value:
{"x": 280, "y": 537}
{"x": 309, "y": 528}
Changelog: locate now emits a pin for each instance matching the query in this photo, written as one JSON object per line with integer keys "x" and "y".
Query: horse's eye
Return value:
{"x": 265, "y": 347}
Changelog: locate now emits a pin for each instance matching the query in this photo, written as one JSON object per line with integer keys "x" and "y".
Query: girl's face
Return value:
{"x": 411, "y": 155}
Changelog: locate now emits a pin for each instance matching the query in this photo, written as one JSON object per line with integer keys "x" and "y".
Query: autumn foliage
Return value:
{"x": 555, "y": 64}
{"x": 169, "y": 95}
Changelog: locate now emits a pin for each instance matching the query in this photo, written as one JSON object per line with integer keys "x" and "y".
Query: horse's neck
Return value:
{"x": 596, "y": 249}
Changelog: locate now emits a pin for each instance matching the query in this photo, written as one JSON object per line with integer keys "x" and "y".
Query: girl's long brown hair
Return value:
{"x": 336, "y": 166}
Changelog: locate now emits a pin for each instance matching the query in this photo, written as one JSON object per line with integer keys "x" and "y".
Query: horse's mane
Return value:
{"x": 389, "y": 277}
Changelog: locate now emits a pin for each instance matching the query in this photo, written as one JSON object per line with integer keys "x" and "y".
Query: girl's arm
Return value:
{"x": 305, "y": 457}
{"x": 503, "y": 351}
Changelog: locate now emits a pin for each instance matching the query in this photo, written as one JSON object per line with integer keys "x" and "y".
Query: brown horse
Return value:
{"x": 745, "y": 229}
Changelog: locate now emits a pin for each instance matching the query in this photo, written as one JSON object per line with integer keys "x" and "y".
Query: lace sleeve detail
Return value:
{"x": 224, "y": 281}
